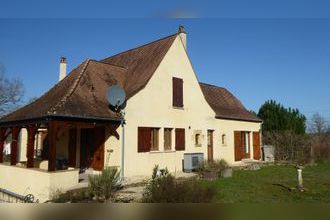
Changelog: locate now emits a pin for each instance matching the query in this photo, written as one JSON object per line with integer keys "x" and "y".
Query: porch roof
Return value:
{"x": 82, "y": 94}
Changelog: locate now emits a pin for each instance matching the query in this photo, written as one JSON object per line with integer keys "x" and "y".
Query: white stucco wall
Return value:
{"x": 228, "y": 127}
{"x": 41, "y": 184}
{"x": 112, "y": 149}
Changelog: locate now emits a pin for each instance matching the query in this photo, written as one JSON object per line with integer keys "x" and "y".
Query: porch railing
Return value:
{"x": 11, "y": 197}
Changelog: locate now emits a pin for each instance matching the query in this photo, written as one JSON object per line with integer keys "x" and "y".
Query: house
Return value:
{"x": 168, "y": 113}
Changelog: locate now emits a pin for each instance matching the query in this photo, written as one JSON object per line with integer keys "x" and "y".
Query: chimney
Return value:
{"x": 183, "y": 35}
{"x": 62, "y": 68}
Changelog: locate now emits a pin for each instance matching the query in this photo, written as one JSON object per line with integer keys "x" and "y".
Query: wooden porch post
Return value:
{"x": 13, "y": 151}
{"x": 2, "y": 142}
{"x": 31, "y": 129}
{"x": 52, "y": 133}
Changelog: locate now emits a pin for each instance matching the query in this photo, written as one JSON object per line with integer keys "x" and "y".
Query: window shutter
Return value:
{"x": 256, "y": 146}
{"x": 144, "y": 139}
{"x": 238, "y": 145}
{"x": 180, "y": 139}
{"x": 177, "y": 87}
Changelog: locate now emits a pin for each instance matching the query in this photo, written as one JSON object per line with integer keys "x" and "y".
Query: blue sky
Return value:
{"x": 274, "y": 53}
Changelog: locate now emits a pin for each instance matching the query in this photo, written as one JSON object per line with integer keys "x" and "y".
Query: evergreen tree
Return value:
{"x": 278, "y": 118}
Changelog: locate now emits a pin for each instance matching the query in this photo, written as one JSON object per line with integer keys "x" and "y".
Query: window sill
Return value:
{"x": 178, "y": 108}
{"x": 158, "y": 151}
{"x": 169, "y": 151}
{"x": 198, "y": 145}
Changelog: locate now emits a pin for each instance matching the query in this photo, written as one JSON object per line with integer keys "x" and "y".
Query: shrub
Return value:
{"x": 73, "y": 196}
{"x": 166, "y": 189}
{"x": 289, "y": 147}
{"x": 215, "y": 167}
{"x": 101, "y": 186}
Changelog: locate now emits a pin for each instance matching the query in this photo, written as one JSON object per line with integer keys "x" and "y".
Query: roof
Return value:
{"x": 225, "y": 104}
{"x": 82, "y": 93}
{"x": 141, "y": 63}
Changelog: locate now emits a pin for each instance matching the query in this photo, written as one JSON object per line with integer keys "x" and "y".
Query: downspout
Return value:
{"x": 122, "y": 123}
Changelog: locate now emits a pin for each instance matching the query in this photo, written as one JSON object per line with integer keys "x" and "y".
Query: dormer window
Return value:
{"x": 177, "y": 86}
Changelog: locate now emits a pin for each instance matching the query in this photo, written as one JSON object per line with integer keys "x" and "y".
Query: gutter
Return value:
{"x": 239, "y": 119}
{"x": 57, "y": 117}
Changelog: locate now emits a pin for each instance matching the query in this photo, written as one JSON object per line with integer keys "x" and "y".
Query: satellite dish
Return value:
{"x": 116, "y": 96}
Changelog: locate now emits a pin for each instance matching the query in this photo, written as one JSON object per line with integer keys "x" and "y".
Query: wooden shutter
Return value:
{"x": 256, "y": 146}
{"x": 180, "y": 139}
{"x": 238, "y": 145}
{"x": 98, "y": 139}
{"x": 177, "y": 87}
{"x": 144, "y": 139}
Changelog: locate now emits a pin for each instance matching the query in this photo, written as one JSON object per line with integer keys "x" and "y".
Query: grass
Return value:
{"x": 257, "y": 186}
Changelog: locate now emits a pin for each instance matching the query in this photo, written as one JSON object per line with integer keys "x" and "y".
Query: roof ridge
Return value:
{"x": 110, "y": 64}
{"x": 73, "y": 88}
{"x": 134, "y": 48}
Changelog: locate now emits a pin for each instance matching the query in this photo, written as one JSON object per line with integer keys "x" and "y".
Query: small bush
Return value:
{"x": 74, "y": 196}
{"x": 101, "y": 186}
{"x": 166, "y": 189}
{"x": 215, "y": 167}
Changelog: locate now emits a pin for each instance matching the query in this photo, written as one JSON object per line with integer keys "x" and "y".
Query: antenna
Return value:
{"x": 116, "y": 97}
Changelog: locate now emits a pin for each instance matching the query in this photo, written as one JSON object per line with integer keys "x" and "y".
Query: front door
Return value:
{"x": 92, "y": 148}
{"x": 210, "y": 145}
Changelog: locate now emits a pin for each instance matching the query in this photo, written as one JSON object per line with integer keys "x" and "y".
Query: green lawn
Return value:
{"x": 257, "y": 186}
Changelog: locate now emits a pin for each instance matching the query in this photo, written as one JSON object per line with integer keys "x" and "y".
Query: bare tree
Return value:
{"x": 11, "y": 92}
{"x": 318, "y": 124}
{"x": 318, "y": 128}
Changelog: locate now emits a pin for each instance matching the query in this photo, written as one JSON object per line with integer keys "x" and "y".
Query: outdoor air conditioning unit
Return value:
{"x": 191, "y": 161}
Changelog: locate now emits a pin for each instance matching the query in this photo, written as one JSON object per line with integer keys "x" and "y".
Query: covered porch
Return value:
{"x": 73, "y": 117}
{"x": 57, "y": 150}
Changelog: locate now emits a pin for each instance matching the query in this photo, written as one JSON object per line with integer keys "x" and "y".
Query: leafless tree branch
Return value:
{"x": 11, "y": 92}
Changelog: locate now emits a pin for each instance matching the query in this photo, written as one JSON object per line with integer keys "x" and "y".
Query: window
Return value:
{"x": 177, "y": 96}
{"x": 179, "y": 139}
{"x": 198, "y": 140}
{"x": 154, "y": 139}
{"x": 223, "y": 139}
{"x": 246, "y": 141}
{"x": 148, "y": 139}
{"x": 167, "y": 138}
{"x": 242, "y": 145}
